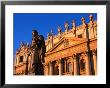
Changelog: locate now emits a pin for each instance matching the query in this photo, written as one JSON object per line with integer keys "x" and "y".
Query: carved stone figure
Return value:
{"x": 84, "y": 26}
{"x": 66, "y": 26}
{"x": 73, "y": 24}
{"x": 91, "y": 27}
{"x": 48, "y": 36}
{"x": 21, "y": 44}
{"x": 38, "y": 48}
{"x": 59, "y": 30}
{"x": 74, "y": 27}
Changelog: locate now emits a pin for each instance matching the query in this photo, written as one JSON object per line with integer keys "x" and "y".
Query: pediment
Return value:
{"x": 64, "y": 43}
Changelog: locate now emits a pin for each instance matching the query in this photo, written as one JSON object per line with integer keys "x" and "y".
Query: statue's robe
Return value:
{"x": 39, "y": 52}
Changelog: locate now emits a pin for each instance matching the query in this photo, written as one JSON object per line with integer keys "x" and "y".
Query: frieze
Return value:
{"x": 70, "y": 51}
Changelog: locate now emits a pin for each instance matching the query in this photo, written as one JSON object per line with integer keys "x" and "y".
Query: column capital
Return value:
{"x": 94, "y": 52}
{"x": 74, "y": 55}
{"x": 86, "y": 53}
{"x": 59, "y": 60}
{"x": 46, "y": 64}
{"x": 83, "y": 55}
{"x": 50, "y": 62}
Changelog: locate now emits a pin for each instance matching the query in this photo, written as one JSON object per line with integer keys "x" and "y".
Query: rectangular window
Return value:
{"x": 69, "y": 67}
{"x": 21, "y": 59}
{"x": 64, "y": 65}
{"x": 80, "y": 36}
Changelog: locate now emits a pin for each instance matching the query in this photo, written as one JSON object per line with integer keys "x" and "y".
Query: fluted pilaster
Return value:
{"x": 87, "y": 64}
{"x": 76, "y": 68}
{"x": 51, "y": 68}
{"x": 60, "y": 66}
{"x": 95, "y": 61}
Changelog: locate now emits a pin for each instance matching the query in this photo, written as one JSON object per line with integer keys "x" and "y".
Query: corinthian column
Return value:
{"x": 26, "y": 68}
{"x": 51, "y": 68}
{"x": 87, "y": 64}
{"x": 60, "y": 66}
{"x": 46, "y": 69}
{"x": 95, "y": 61}
{"x": 75, "y": 65}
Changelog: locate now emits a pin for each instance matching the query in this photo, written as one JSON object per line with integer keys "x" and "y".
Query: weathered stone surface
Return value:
{"x": 72, "y": 52}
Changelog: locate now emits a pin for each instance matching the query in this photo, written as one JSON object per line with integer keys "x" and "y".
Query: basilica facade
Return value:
{"x": 70, "y": 52}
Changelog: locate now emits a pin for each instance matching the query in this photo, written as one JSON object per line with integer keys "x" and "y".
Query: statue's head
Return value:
{"x": 41, "y": 37}
{"x": 66, "y": 24}
{"x": 34, "y": 32}
{"x": 91, "y": 17}
{"x": 83, "y": 20}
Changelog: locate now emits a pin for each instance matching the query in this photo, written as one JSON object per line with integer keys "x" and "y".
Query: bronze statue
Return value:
{"x": 39, "y": 49}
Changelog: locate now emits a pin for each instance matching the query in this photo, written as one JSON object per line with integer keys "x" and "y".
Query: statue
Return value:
{"x": 42, "y": 48}
{"x": 66, "y": 26}
{"x": 27, "y": 45}
{"x": 48, "y": 35}
{"x": 21, "y": 44}
{"x": 74, "y": 27}
{"x": 59, "y": 30}
{"x": 85, "y": 28}
{"x": 39, "y": 49}
{"x": 83, "y": 21}
{"x": 73, "y": 24}
{"x": 91, "y": 27}
{"x": 51, "y": 32}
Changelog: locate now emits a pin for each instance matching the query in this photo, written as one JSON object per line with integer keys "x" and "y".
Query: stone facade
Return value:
{"x": 72, "y": 52}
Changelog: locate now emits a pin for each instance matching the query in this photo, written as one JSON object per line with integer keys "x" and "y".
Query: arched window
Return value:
{"x": 82, "y": 65}
{"x": 69, "y": 67}
{"x": 56, "y": 70}
{"x": 63, "y": 65}
{"x": 80, "y": 36}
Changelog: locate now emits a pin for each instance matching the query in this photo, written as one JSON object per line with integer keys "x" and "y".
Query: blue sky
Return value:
{"x": 24, "y": 23}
